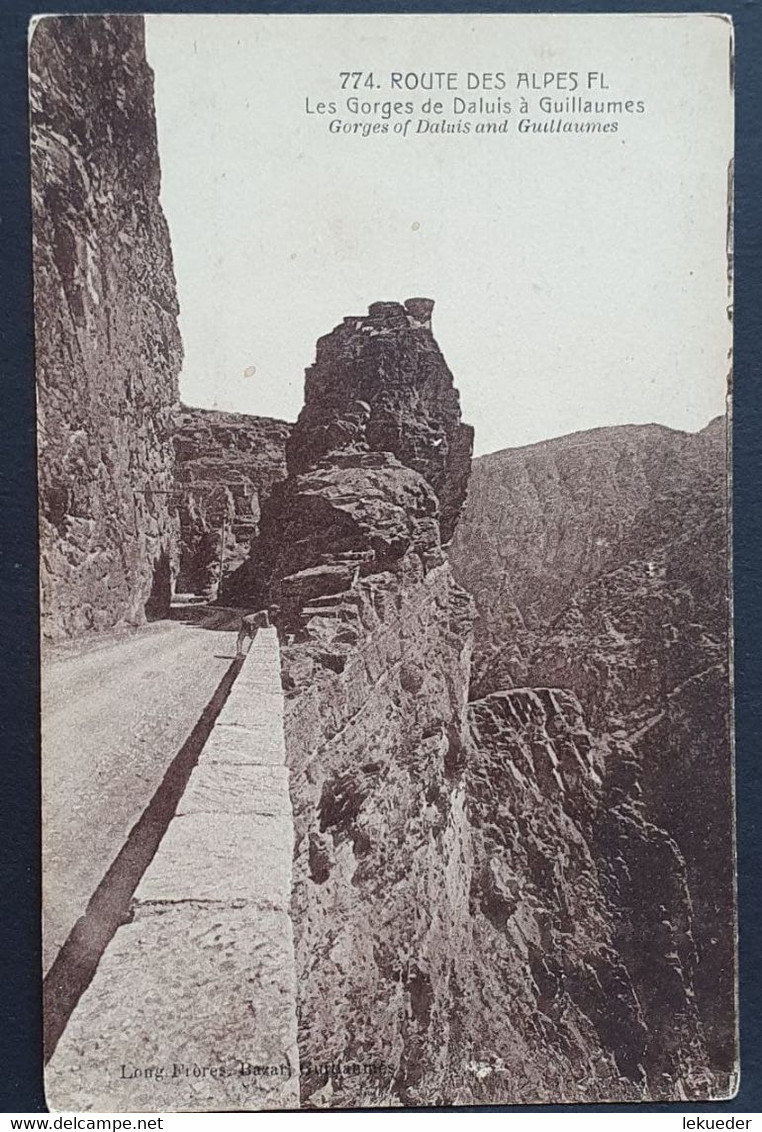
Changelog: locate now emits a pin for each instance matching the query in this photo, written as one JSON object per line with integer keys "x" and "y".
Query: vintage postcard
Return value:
{"x": 382, "y": 372}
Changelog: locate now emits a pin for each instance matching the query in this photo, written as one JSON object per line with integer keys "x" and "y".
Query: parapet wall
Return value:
{"x": 193, "y": 1004}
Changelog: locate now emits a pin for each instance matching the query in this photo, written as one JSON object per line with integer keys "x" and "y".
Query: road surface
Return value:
{"x": 115, "y": 712}
{"x": 204, "y": 971}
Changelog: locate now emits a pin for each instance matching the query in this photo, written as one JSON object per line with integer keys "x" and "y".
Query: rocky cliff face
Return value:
{"x": 107, "y": 343}
{"x": 606, "y": 575}
{"x": 225, "y": 467}
{"x": 375, "y": 662}
{"x": 582, "y": 960}
{"x": 380, "y": 905}
{"x": 482, "y": 909}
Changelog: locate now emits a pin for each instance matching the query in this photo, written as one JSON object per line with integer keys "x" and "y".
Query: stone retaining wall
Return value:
{"x": 193, "y": 1004}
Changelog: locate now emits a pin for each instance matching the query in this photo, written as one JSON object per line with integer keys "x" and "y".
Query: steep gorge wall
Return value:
{"x": 553, "y": 516}
{"x": 481, "y": 911}
{"x": 380, "y": 904}
{"x": 107, "y": 343}
{"x": 606, "y": 574}
{"x": 225, "y": 467}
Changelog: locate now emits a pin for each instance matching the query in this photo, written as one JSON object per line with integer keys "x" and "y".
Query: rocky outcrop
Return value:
{"x": 605, "y": 573}
{"x": 482, "y": 909}
{"x": 376, "y": 651}
{"x": 225, "y": 466}
{"x": 107, "y": 343}
{"x": 380, "y": 384}
{"x": 378, "y": 461}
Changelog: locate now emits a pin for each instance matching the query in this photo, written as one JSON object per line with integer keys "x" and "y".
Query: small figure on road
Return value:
{"x": 251, "y": 623}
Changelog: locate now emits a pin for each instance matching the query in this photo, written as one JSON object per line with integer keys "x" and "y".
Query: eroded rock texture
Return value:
{"x": 582, "y": 950}
{"x": 380, "y": 905}
{"x": 108, "y": 347}
{"x": 405, "y": 402}
{"x": 378, "y": 460}
{"x": 226, "y": 464}
{"x": 603, "y": 570}
{"x": 551, "y": 518}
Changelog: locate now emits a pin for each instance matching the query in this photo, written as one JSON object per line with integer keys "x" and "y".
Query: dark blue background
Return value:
{"x": 20, "y": 978}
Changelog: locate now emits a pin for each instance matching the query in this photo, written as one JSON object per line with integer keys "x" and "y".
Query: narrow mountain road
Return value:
{"x": 115, "y": 712}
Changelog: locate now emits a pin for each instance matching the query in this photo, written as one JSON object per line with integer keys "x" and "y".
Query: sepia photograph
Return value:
{"x": 383, "y": 368}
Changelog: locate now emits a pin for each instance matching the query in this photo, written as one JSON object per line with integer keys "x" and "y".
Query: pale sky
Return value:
{"x": 579, "y": 280}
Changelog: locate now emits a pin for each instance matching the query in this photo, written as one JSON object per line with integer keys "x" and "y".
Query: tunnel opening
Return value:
{"x": 199, "y": 562}
{"x": 160, "y": 598}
